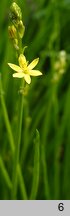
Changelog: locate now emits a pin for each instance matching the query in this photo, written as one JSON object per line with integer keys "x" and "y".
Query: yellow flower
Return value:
{"x": 24, "y": 70}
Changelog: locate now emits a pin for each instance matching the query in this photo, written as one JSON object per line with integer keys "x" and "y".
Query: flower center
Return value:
{"x": 25, "y": 70}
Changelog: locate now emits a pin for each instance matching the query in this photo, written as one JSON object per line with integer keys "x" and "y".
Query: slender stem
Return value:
{"x": 9, "y": 131}
{"x": 66, "y": 179}
{"x": 43, "y": 152}
{"x": 22, "y": 184}
{"x": 58, "y": 143}
{"x": 45, "y": 173}
{"x": 7, "y": 123}
{"x": 35, "y": 182}
{"x": 17, "y": 148}
{"x": 5, "y": 174}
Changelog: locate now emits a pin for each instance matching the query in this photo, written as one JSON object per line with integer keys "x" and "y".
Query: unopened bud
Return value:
{"x": 57, "y": 65}
{"x": 16, "y": 12}
{"x": 62, "y": 56}
{"x": 15, "y": 42}
{"x": 21, "y": 29}
{"x": 12, "y": 31}
{"x": 55, "y": 77}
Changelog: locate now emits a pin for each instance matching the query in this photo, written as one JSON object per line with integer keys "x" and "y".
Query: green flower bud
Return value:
{"x": 15, "y": 43}
{"x": 12, "y": 31}
{"x": 16, "y": 13}
{"x": 21, "y": 29}
{"x": 63, "y": 57}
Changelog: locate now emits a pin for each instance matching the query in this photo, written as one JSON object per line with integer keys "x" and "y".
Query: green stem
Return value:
{"x": 17, "y": 148}
{"x": 22, "y": 184}
{"x": 66, "y": 179}
{"x": 35, "y": 182}
{"x": 7, "y": 123}
{"x": 5, "y": 174}
{"x": 45, "y": 173}
{"x": 8, "y": 127}
{"x": 58, "y": 143}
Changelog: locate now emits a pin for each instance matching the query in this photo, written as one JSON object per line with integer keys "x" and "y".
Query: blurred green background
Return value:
{"x": 46, "y": 101}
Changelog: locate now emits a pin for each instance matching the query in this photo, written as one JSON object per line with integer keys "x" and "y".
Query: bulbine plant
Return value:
{"x": 34, "y": 120}
{"x": 24, "y": 71}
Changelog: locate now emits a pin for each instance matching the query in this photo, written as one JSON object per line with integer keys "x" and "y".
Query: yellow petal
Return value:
{"x": 27, "y": 78}
{"x": 35, "y": 73}
{"x": 33, "y": 64}
{"x": 18, "y": 75}
{"x": 15, "y": 67}
{"x": 22, "y": 61}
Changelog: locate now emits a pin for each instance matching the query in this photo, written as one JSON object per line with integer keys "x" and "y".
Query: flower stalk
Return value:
{"x": 18, "y": 142}
{"x": 24, "y": 71}
{"x": 16, "y": 31}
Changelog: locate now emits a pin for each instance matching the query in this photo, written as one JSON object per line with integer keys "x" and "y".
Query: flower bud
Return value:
{"x": 21, "y": 29}
{"x": 12, "y": 31}
{"x": 63, "y": 59}
{"x": 15, "y": 43}
{"x": 16, "y": 12}
{"x": 55, "y": 77}
{"x": 62, "y": 56}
